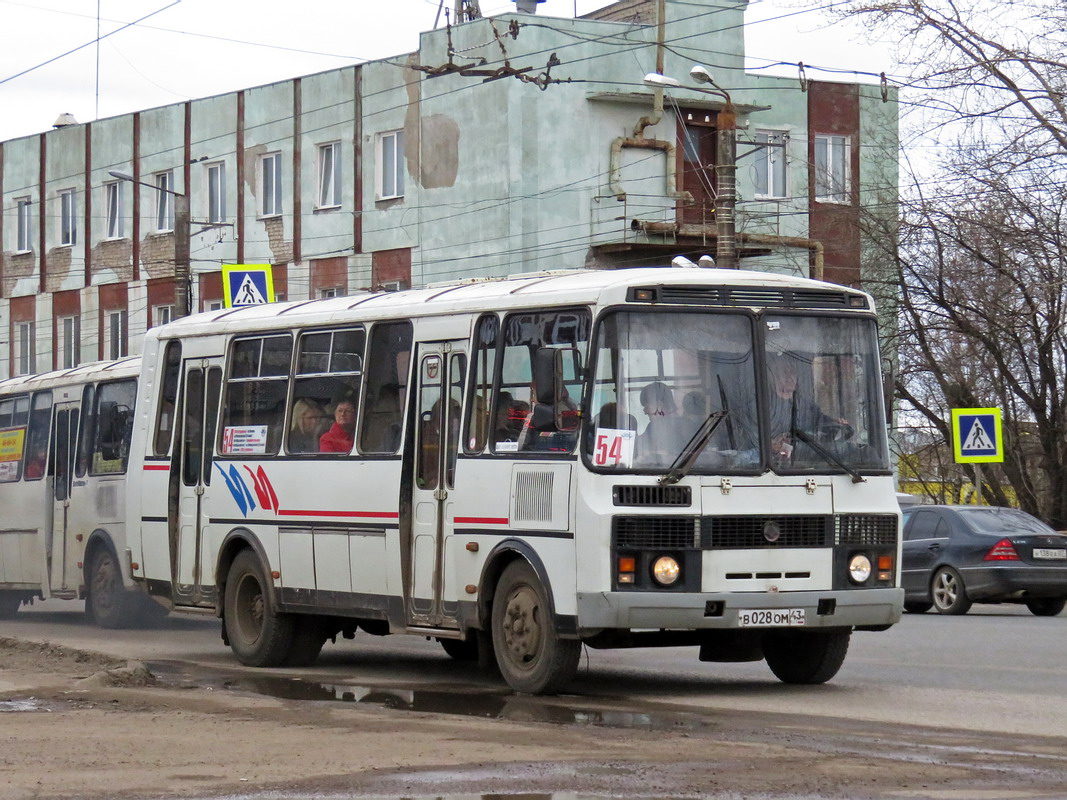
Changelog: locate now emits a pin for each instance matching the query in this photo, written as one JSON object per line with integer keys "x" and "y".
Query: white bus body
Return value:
{"x": 536, "y": 462}
{"x": 64, "y": 446}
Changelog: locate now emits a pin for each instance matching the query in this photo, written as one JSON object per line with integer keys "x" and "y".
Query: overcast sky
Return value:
{"x": 195, "y": 48}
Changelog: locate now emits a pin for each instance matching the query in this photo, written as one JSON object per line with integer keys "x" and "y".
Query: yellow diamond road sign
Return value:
{"x": 247, "y": 284}
{"x": 976, "y": 435}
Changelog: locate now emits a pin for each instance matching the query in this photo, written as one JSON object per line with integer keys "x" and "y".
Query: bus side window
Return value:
{"x": 525, "y": 333}
{"x": 168, "y": 398}
{"x": 256, "y": 392}
{"x": 85, "y": 438}
{"x": 329, "y": 369}
{"x": 113, "y": 412}
{"x": 37, "y": 436}
{"x": 14, "y": 414}
{"x": 388, "y": 362}
{"x": 480, "y": 416}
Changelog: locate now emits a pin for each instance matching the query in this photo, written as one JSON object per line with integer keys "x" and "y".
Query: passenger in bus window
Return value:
{"x": 309, "y": 423}
{"x": 340, "y": 437}
{"x": 510, "y": 417}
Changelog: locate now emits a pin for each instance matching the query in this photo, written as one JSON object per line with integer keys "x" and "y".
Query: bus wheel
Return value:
{"x": 531, "y": 656}
{"x": 805, "y": 658}
{"x": 9, "y": 604}
{"x": 259, "y": 636}
{"x": 108, "y": 602}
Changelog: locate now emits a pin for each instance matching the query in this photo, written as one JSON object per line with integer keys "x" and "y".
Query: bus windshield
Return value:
{"x": 660, "y": 375}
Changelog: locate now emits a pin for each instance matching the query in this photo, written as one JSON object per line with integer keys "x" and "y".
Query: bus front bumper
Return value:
{"x": 709, "y": 611}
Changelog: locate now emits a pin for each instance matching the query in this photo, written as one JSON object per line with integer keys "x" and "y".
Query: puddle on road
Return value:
{"x": 488, "y": 705}
{"x": 21, "y": 705}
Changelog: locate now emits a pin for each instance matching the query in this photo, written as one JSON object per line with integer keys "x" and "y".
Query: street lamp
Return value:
{"x": 725, "y": 161}
{"x": 181, "y": 241}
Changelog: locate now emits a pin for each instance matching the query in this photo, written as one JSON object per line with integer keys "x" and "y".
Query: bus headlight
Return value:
{"x": 859, "y": 568}
{"x": 666, "y": 570}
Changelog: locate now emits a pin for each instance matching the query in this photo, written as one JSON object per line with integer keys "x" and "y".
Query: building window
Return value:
{"x": 24, "y": 344}
{"x": 116, "y": 222}
{"x": 832, "y": 178}
{"x": 161, "y": 315}
{"x": 270, "y": 189}
{"x": 216, "y": 192}
{"x": 214, "y": 305}
{"x": 329, "y": 175}
{"x": 164, "y": 202}
{"x": 115, "y": 334}
{"x": 24, "y": 234}
{"x": 68, "y": 217}
{"x": 391, "y": 165}
{"x": 770, "y": 163}
{"x": 333, "y": 291}
{"x": 70, "y": 341}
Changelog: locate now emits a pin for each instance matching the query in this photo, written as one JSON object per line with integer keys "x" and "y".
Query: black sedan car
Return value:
{"x": 955, "y": 556}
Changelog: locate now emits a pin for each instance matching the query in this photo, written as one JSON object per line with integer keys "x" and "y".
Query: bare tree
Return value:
{"x": 983, "y": 239}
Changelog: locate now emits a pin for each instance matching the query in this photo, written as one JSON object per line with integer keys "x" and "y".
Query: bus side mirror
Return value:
{"x": 112, "y": 423}
{"x": 553, "y": 368}
{"x": 889, "y": 380}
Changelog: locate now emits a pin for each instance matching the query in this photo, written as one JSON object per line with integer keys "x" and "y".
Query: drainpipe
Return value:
{"x": 657, "y": 94}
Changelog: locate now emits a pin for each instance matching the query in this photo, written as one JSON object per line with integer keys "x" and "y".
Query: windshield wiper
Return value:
{"x": 688, "y": 455}
{"x": 809, "y": 440}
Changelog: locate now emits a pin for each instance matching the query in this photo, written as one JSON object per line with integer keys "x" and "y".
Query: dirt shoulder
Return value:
{"x": 79, "y": 724}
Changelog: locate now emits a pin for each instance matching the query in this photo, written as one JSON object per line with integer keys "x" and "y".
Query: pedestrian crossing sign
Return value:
{"x": 247, "y": 285}
{"x": 976, "y": 435}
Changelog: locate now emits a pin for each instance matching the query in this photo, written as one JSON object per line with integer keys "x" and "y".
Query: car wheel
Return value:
{"x": 917, "y": 607}
{"x": 259, "y": 636}
{"x": 806, "y": 658}
{"x": 1046, "y": 606}
{"x": 950, "y": 596}
{"x": 108, "y": 603}
{"x": 530, "y": 653}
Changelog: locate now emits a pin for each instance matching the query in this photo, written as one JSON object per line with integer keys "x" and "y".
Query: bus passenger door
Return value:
{"x": 442, "y": 366}
{"x": 193, "y": 580}
{"x": 64, "y": 438}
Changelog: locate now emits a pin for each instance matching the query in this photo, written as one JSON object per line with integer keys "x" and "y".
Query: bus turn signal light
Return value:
{"x": 627, "y": 567}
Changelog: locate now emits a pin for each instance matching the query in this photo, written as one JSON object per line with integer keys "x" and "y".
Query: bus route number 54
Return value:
{"x": 614, "y": 447}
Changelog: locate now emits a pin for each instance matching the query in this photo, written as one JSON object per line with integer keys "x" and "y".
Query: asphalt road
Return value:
{"x": 995, "y": 670}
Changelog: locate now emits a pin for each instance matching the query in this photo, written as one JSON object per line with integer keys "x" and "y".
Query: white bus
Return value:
{"x": 64, "y": 448}
{"x": 515, "y": 467}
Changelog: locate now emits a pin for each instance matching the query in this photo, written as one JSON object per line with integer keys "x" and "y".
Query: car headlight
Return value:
{"x": 859, "y": 568}
{"x": 666, "y": 570}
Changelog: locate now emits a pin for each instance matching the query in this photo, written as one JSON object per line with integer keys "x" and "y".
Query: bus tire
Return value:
{"x": 531, "y": 655}
{"x": 107, "y": 601}
{"x": 806, "y": 658}
{"x": 9, "y": 604}
{"x": 259, "y": 636}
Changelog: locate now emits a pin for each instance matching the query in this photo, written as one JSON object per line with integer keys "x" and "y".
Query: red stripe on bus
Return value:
{"x": 298, "y": 513}
{"x": 156, "y": 467}
{"x": 481, "y": 520}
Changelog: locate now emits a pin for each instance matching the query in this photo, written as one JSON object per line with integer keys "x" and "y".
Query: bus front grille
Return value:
{"x": 651, "y": 533}
{"x": 753, "y": 531}
{"x": 731, "y": 532}
{"x": 866, "y": 529}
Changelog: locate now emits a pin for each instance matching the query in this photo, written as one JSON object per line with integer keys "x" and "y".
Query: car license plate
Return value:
{"x": 1044, "y": 552}
{"x": 770, "y": 617}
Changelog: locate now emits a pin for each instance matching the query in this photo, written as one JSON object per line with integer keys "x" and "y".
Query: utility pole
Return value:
{"x": 726, "y": 185}
{"x": 181, "y": 255}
